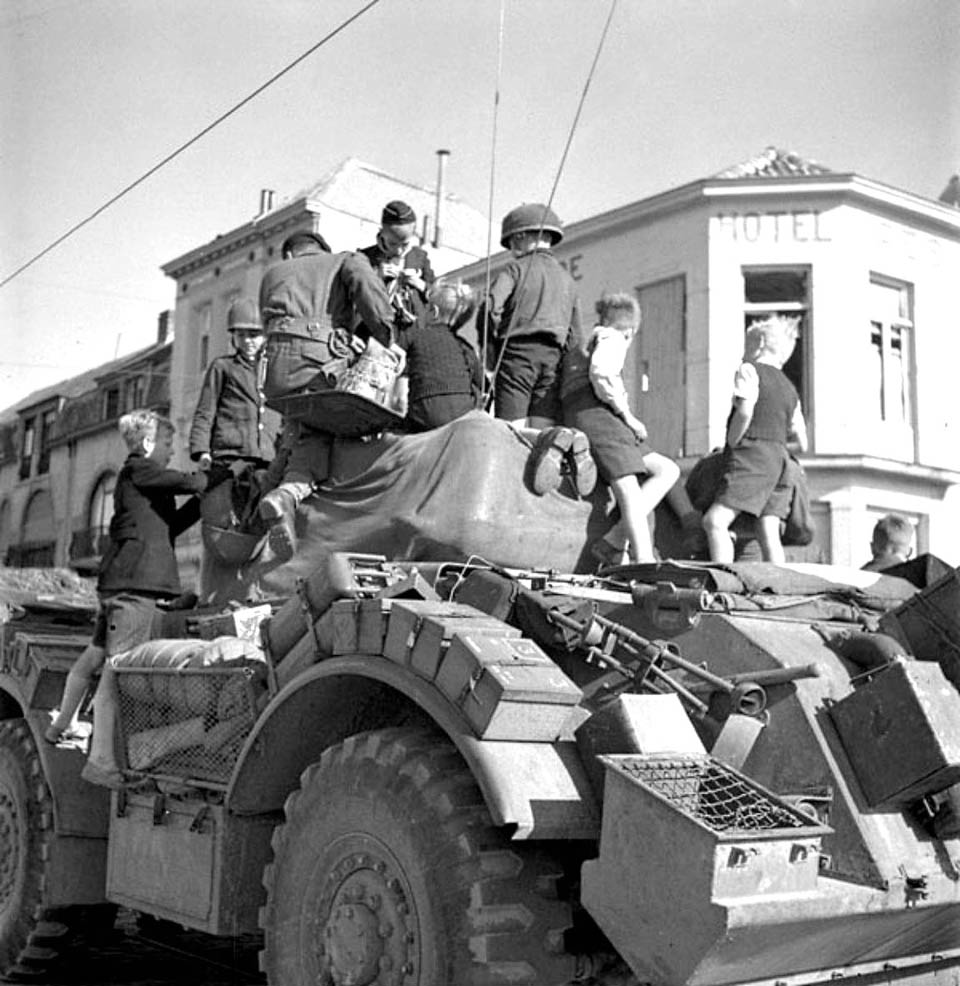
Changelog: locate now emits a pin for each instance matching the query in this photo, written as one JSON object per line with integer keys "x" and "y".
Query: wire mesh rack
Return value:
{"x": 710, "y": 792}
{"x": 188, "y": 723}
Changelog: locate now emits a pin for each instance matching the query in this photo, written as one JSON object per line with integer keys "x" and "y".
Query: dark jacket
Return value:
{"x": 146, "y": 520}
{"x": 533, "y": 296}
{"x": 329, "y": 288}
{"x": 407, "y": 301}
{"x": 310, "y": 306}
{"x": 231, "y": 418}
{"x": 441, "y": 362}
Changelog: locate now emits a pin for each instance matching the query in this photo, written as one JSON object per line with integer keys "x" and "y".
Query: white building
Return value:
{"x": 872, "y": 273}
{"x": 344, "y": 206}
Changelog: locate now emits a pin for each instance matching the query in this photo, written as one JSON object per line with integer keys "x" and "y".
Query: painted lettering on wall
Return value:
{"x": 572, "y": 266}
{"x": 774, "y": 227}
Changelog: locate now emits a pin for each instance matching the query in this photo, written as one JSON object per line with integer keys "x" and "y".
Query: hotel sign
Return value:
{"x": 791, "y": 226}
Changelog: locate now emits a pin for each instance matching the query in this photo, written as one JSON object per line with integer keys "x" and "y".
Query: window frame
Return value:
{"x": 906, "y": 376}
{"x": 755, "y": 310}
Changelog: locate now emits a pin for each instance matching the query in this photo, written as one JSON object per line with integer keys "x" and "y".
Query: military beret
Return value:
{"x": 397, "y": 213}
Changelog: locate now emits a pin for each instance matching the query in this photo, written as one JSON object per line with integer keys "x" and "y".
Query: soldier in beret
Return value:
{"x": 403, "y": 266}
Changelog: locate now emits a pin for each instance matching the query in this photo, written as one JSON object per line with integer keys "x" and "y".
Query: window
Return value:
{"x": 47, "y": 424}
{"x": 26, "y": 447}
{"x": 783, "y": 291}
{"x": 111, "y": 403}
{"x": 201, "y": 328}
{"x": 891, "y": 345}
{"x": 134, "y": 392}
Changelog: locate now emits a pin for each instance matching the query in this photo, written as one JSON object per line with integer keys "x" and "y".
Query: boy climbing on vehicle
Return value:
{"x": 764, "y": 420}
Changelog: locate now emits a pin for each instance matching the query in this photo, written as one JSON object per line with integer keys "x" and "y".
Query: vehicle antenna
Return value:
{"x": 563, "y": 160}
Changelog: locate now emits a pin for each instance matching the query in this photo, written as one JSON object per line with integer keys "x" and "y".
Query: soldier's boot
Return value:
{"x": 279, "y": 509}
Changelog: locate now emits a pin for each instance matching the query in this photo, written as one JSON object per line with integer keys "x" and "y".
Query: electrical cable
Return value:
{"x": 189, "y": 143}
{"x": 563, "y": 159}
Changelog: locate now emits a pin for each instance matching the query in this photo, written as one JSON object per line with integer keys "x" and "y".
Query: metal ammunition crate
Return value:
{"x": 713, "y": 827}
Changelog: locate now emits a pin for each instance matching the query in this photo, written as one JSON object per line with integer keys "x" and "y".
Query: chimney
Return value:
{"x": 266, "y": 200}
{"x": 164, "y": 327}
{"x": 442, "y": 156}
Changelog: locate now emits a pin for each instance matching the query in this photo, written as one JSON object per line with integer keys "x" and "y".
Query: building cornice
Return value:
{"x": 253, "y": 232}
{"x": 871, "y": 465}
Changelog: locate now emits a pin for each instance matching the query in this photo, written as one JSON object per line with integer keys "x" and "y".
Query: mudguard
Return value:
{"x": 539, "y": 788}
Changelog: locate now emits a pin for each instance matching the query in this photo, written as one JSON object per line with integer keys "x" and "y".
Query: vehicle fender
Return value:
{"x": 539, "y": 788}
{"x": 79, "y": 808}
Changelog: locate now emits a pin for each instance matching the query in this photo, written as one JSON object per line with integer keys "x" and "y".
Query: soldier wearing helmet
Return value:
{"x": 530, "y": 310}
{"x": 232, "y": 422}
{"x": 443, "y": 368}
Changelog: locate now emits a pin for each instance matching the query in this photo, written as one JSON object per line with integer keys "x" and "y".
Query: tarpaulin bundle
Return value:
{"x": 443, "y": 495}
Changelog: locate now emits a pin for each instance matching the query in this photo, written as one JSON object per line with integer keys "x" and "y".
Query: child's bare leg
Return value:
{"x": 768, "y": 529}
{"x": 716, "y": 522}
{"x": 78, "y": 680}
{"x": 633, "y": 517}
{"x": 661, "y": 478}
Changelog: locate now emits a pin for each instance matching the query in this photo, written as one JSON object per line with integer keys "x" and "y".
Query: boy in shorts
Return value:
{"x": 139, "y": 568}
{"x": 765, "y": 422}
{"x": 530, "y": 311}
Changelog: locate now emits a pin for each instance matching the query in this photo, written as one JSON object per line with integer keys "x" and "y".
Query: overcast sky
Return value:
{"x": 93, "y": 93}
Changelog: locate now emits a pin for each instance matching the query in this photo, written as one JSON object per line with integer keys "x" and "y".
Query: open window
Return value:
{"x": 783, "y": 291}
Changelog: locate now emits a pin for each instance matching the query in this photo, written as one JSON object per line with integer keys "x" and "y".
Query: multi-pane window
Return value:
{"x": 47, "y": 423}
{"x": 27, "y": 445}
{"x": 111, "y": 403}
{"x": 891, "y": 345}
{"x": 134, "y": 392}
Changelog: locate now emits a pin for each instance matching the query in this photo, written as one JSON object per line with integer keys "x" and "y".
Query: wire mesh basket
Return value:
{"x": 188, "y": 723}
{"x": 711, "y": 793}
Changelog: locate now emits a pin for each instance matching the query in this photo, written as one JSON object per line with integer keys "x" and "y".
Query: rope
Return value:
{"x": 189, "y": 143}
{"x": 493, "y": 171}
{"x": 563, "y": 160}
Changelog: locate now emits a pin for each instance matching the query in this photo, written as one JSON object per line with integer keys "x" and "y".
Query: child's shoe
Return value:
{"x": 105, "y": 775}
{"x": 606, "y": 554}
{"x": 546, "y": 461}
{"x": 560, "y": 451}
{"x": 583, "y": 467}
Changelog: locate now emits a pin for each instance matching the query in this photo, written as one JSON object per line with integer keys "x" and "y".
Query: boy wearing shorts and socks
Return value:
{"x": 764, "y": 420}
{"x": 531, "y": 311}
{"x": 595, "y": 401}
{"x": 139, "y": 568}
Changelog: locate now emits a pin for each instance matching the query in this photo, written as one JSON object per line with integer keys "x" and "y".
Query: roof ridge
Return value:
{"x": 774, "y": 162}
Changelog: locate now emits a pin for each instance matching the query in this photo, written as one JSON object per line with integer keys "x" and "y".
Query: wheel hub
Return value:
{"x": 367, "y": 934}
{"x": 9, "y": 848}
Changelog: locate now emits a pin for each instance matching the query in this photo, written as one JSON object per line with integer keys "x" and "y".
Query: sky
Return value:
{"x": 94, "y": 93}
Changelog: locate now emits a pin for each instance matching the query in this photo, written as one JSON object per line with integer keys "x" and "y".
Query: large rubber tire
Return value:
{"x": 30, "y": 937}
{"x": 389, "y": 872}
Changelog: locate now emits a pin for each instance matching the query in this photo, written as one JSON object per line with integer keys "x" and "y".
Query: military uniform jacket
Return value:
{"x": 533, "y": 296}
{"x": 231, "y": 418}
{"x": 146, "y": 520}
{"x": 331, "y": 289}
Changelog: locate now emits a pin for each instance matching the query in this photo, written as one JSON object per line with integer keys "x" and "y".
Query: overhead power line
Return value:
{"x": 223, "y": 116}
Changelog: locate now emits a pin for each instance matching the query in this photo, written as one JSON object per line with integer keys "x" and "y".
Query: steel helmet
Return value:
{"x": 533, "y": 217}
{"x": 244, "y": 316}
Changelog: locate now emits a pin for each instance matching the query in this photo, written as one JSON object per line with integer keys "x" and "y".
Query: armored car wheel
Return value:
{"x": 30, "y": 938}
{"x": 389, "y": 872}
